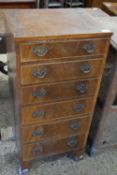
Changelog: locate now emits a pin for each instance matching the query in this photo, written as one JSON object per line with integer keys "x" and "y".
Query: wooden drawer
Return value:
{"x": 39, "y": 73}
{"x": 48, "y": 113}
{"x": 57, "y": 92}
{"x": 53, "y": 50}
{"x": 55, "y": 130}
{"x": 52, "y": 147}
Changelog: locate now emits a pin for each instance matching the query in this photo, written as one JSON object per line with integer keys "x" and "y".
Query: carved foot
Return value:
{"x": 24, "y": 167}
{"x": 75, "y": 156}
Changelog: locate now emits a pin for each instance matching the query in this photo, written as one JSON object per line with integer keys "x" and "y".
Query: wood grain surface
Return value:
{"x": 59, "y": 41}
{"x": 56, "y": 111}
{"x": 59, "y": 129}
{"x": 54, "y": 72}
{"x": 52, "y": 23}
{"x": 56, "y": 92}
{"x": 51, "y": 147}
{"x": 61, "y": 49}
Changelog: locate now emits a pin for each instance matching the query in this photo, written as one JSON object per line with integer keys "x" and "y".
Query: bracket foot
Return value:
{"x": 23, "y": 171}
{"x": 74, "y": 157}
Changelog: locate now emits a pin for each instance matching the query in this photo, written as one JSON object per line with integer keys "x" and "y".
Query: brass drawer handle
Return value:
{"x": 72, "y": 142}
{"x": 38, "y": 114}
{"x": 40, "y": 73}
{"x": 85, "y": 68}
{"x": 75, "y": 125}
{"x": 37, "y": 133}
{"x": 79, "y": 108}
{"x": 40, "y": 93}
{"x": 37, "y": 150}
{"x": 82, "y": 87}
{"x": 40, "y": 51}
{"x": 89, "y": 48}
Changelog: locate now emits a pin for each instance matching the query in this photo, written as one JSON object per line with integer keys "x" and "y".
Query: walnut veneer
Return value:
{"x": 56, "y": 61}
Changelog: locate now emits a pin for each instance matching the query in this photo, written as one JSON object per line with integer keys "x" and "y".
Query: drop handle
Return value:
{"x": 75, "y": 125}
{"x": 73, "y": 142}
{"x": 39, "y": 93}
{"x": 79, "y": 107}
{"x": 40, "y": 73}
{"x": 38, "y": 132}
{"x": 85, "y": 68}
{"x": 38, "y": 114}
{"x": 40, "y": 51}
{"x": 37, "y": 150}
{"x": 89, "y": 47}
{"x": 82, "y": 87}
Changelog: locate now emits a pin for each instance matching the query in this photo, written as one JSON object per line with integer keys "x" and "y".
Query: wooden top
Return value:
{"x": 110, "y": 8}
{"x": 53, "y": 23}
{"x": 90, "y": 11}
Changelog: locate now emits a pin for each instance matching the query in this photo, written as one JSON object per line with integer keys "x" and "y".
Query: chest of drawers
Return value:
{"x": 56, "y": 62}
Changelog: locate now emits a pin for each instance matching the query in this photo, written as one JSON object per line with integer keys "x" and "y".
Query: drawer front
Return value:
{"x": 57, "y": 92}
{"x": 53, "y": 50}
{"x": 47, "y": 113}
{"x": 40, "y": 73}
{"x": 52, "y": 147}
{"x": 55, "y": 130}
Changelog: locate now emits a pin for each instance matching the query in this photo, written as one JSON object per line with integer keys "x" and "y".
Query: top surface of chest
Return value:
{"x": 91, "y": 11}
{"x": 34, "y": 24}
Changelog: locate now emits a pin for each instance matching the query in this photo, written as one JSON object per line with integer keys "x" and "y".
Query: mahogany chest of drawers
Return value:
{"x": 56, "y": 61}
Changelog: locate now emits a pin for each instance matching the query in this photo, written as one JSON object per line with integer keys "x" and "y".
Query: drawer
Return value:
{"x": 39, "y": 73}
{"x": 53, "y": 50}
{"x": 52, "y": 147}
{"x": 55, "y": 130}
{"x": 60, "y": 91}
{"x": 48, "y": 113}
